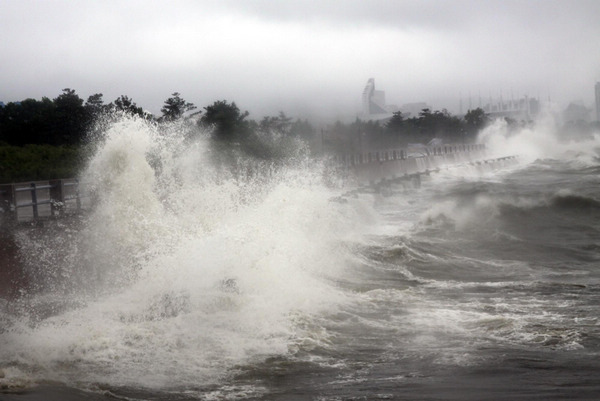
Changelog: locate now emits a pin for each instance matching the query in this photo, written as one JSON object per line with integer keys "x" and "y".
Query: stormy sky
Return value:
{"x": 301, "y": 56}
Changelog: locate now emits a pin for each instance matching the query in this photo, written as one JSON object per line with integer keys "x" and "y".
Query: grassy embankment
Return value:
{"x": 38, "y": 162}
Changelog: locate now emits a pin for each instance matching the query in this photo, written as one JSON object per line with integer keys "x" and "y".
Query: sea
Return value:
{"x": 188, "y": 281}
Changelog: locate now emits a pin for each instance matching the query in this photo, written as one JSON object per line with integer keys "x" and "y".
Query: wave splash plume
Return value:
{"x": 183, "y": 270}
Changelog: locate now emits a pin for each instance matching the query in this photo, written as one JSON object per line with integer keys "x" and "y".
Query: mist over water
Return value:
{"x": 203, "y": 276}
{"x": 541, "y": 140}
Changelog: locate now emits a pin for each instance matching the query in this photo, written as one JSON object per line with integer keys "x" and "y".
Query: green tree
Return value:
{"x": 127, "y": 105}
{"x": 28, "y": 122}
{"x": 94, "y": 108}
{"x": 396, "y": 123}
{"x": 175, "y": 107}
{"x": 226, "y": 120}
{"x": 436, "y": 124}
{"x": 280, "y": 124}
{"x": 94, "y": 104}
{"x": 70, "y": 118}
{"x": 476, "y": 120}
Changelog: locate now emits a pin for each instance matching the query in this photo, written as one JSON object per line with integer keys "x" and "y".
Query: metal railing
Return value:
{"x": 381, "y": 156}
{"x": 62, "y": 196}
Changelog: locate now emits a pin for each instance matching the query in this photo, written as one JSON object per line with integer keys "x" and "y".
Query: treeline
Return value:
{"x": 41, "y": 139}
{"x": 400, "y": 131}
{"x": 67, "y": 119}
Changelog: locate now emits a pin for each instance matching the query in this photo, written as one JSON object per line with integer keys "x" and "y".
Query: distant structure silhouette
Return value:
{"x": 373, "y": 101}
{"x": 374, "y": 106}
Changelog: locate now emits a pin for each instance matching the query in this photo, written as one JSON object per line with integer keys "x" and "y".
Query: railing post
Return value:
{"x": 57, "y": 196}
{"x": 34, "y": 201}
{"x": 8, "y": 201}
{"x": 77, "y": 194}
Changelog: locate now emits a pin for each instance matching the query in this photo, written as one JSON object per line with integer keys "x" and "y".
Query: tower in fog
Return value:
{"x": 597, "y": 101}
{"x": 373, "y": 101}
{"x": 374, "y": 106}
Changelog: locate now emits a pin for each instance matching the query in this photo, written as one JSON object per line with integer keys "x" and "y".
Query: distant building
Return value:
{"x": 373, "y": 103}
{"x": 597, "y": 101}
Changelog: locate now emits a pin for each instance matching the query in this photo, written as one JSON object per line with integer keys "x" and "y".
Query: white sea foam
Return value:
{"x": 190, "y": 271}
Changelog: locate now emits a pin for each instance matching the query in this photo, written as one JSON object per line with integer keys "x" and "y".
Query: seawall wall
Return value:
{"x": 382, "y": 168}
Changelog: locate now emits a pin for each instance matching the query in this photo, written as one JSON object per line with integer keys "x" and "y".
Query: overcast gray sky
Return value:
{"x": 300, "y": 56}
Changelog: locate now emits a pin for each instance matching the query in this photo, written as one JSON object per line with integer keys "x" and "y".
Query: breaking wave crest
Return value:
{"x": 184, "y": 269}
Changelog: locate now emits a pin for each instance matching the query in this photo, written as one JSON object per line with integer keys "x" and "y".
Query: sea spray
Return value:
{"x": 185, "y": 271}
{"x": 539, "y": 140}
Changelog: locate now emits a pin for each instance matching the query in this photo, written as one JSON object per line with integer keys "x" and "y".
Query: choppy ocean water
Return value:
{"x": 482, "y": 284}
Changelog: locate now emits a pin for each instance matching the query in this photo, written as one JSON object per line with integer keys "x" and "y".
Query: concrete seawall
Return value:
{"x": 383, "y": 168}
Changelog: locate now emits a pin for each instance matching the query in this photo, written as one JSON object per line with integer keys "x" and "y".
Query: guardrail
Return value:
{"x": 38, "y": 200}
{"x": 381, "y": 156}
